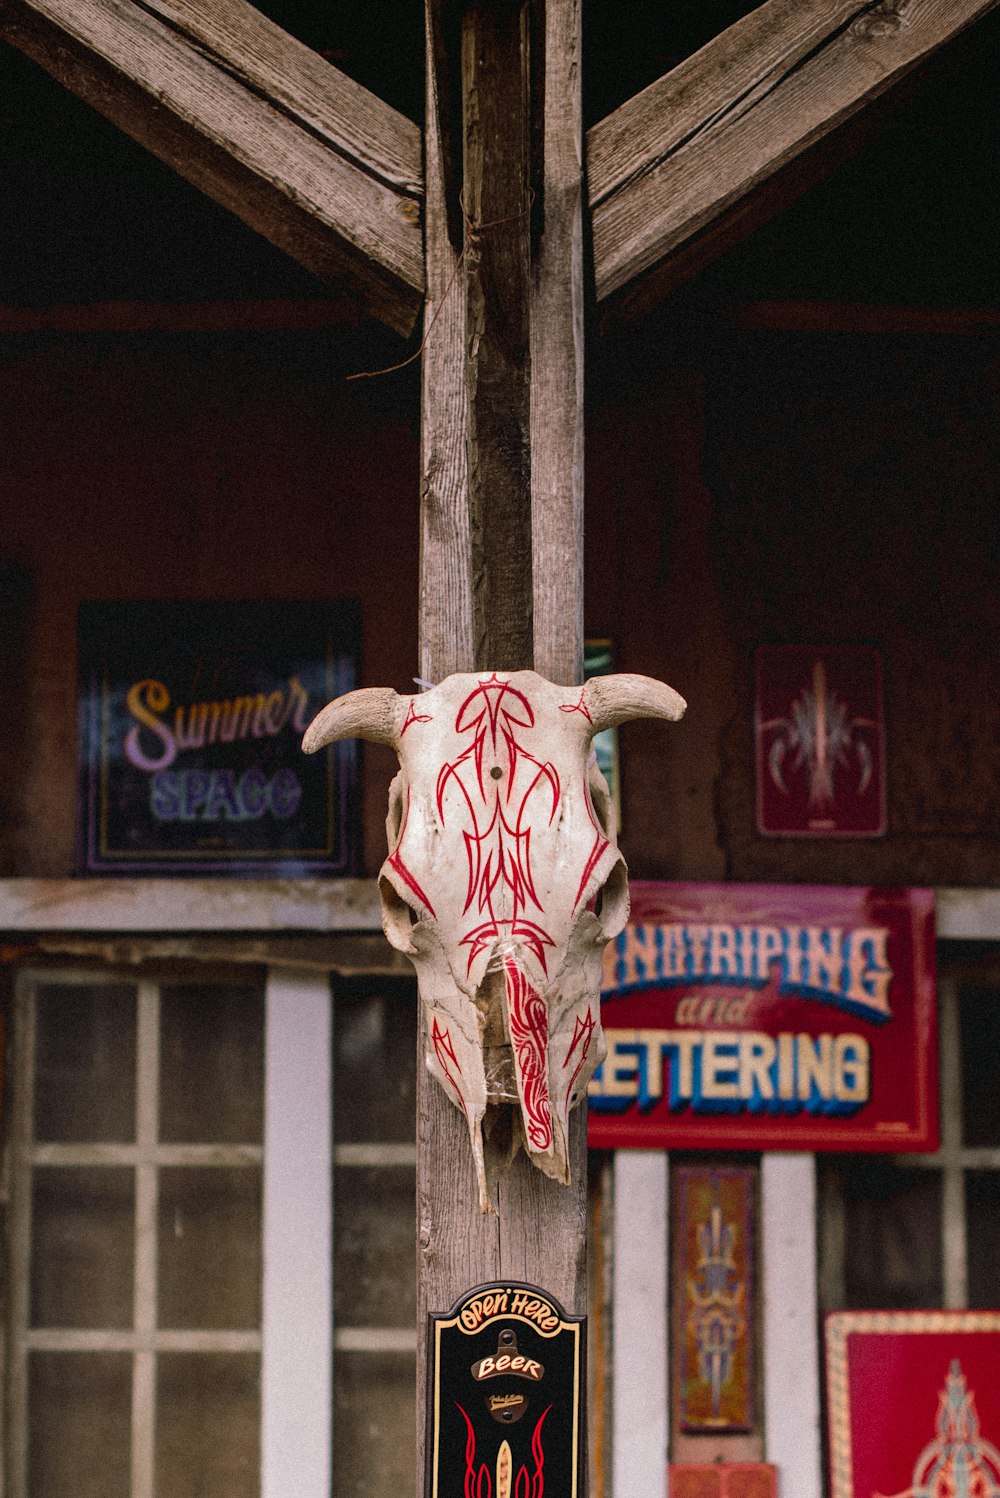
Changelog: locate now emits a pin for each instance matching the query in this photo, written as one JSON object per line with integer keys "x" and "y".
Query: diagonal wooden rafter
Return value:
{"x": 259, "y": 122}
{"x": 333, "y": 175}
{"x": 675, "y": 167}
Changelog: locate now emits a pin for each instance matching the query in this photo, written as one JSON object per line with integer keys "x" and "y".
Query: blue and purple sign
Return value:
{"x": 191, "y": 719}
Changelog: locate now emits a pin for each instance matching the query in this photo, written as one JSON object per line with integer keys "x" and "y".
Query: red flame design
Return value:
{"x": 479, "y": 1484}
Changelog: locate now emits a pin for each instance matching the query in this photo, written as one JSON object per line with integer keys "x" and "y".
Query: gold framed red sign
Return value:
{"x": 769, "y": 1017}
{"x": 716, "y": 1323}
{"x": 913, "y": 1403}
{"x": 820, "y": 741}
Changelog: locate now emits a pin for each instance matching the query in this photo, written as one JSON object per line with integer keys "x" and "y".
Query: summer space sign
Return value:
{"x": 191, "y": 720}
{"x": 769, "y": 1017}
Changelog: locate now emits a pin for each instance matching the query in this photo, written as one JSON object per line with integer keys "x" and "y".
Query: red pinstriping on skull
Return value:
{"x": 412, "y": 716}
{"x": 479, "y": 1484}
{"x": 529, "y": 1035}
{"x": 577, "y": 707}
{"x": 444, "y": 1050}
{"x": 498, "y": 844}
{"x": 583, "y": 1031}
{"x": 600, "y": 843}
{"x": 395, "y": 862}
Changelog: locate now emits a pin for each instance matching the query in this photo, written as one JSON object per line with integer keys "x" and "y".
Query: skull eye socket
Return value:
{"x": 394, "y": 815}
{"x": 612, "y": 903}
{"x": 600, "y": 799}
{"x": 398, "y": 918}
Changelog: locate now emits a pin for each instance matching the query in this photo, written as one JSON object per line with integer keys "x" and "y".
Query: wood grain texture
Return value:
{"x": 496, "y": 150}
{"x": 456, "y": 1246}
{"x": 294, "y": 79}
{"x": 557, "y": 362}
{"x": 675, "y": 163}
{"x": 266, "y": 128}
{"x": 445, "y": 643}
{"x": 538, "y": 1231}
{"x": 189, "y": 905}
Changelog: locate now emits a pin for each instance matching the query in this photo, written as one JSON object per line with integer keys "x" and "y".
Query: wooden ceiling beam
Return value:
{"x": 256, "y": 120}
{"x": 673, "y": 174}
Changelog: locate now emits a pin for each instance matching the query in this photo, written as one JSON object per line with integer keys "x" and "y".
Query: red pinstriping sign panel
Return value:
{"x": 796, "y": 1017}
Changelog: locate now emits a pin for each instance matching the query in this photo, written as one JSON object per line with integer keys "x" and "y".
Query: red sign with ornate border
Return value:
{"x": 820, "y": 742}
{"x": 914, "y": 1403}
{"x": 799, "y": 1017}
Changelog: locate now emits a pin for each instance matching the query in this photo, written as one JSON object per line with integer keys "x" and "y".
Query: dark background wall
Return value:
{"x": 808, "y": 489}
{"x": 188, "y": 466}
{"x": 747, "y": 481}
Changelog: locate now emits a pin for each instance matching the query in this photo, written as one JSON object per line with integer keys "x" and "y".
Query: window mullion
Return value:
{"x": 146, "y": 1208}
{"x": 20, "y": 1246}
{"x": 953, "y": 1234}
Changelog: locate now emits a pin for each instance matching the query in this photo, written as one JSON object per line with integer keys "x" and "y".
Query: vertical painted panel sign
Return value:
{"x": 769, "y": 1017}
{"x": 914, "y": 1404}
{"x": 191, "y": 718}
{"x": 820, "y": 742}
{"x": 715, "y": 1213}
{"x": 505, "y": 1410}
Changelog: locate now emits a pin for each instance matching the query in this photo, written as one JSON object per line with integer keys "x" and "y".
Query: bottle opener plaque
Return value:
{"x": 505, "y": 1410}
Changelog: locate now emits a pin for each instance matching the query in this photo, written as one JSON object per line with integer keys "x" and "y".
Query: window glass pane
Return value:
{"x": 208, "y": 1425}
{"x": 85, "y": 1062}
{"x": 79, "y": 1407}
{"x": 82, "y": 1253}
{"x": 979, "y": 1010}
{"x": 375, "y": 1414}
{"x": 375, "y": 1038}
{"x": 210, "y": 1247}
{"x": 211, "y": 1065}
{"x": 982, "y": 1216}
{"x": 892, "y": 1247}
{"x": 374, "y": 1219}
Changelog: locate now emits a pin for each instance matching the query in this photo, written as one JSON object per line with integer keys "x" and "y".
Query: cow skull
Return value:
{"x": 503, "y": 883}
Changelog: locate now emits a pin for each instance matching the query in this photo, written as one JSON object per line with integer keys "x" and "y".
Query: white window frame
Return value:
{"x": 294, "y": 1341}
{"x": 296, "y": 1336}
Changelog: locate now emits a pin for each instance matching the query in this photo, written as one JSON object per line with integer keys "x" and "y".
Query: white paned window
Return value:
{"x": 916, "y": 1231}
{"x": 134, "y": 1353}
{"x": 374, "y": 1220}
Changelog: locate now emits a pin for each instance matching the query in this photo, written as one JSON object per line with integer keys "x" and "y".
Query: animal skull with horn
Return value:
{"x": 503, "y": 883}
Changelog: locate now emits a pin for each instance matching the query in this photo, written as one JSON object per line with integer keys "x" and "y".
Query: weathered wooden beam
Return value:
{"x": 445, "y": 624}
{"x": 557, "y": 359}
{"x": 189, "y": 905}
{"x": 538, "y": 1232}
{"x": 672, "y": 170}
{"x": 497, "y": 198}
{"x": 256, "y": 120}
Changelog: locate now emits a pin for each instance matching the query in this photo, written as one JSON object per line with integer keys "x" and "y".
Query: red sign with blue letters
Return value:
{"x": 762, "y": 1017}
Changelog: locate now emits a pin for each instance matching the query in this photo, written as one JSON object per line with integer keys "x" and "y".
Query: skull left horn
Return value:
{"x": 503, "y": 883}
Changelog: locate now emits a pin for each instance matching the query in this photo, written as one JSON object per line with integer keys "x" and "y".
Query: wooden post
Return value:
{"x": 501, "y": 520}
